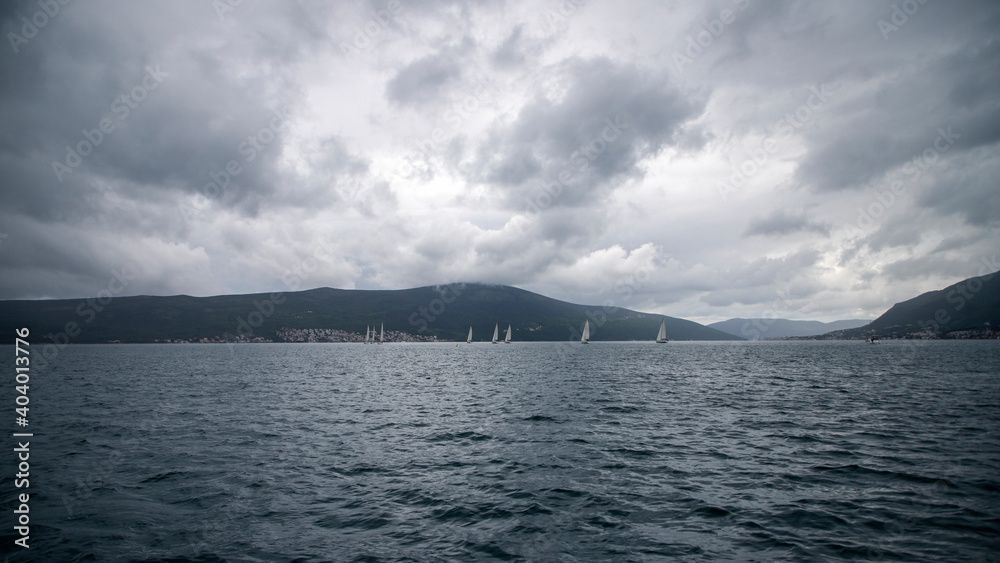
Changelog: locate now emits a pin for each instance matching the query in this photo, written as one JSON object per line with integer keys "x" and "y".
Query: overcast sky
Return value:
{"x": 814, "y": 160}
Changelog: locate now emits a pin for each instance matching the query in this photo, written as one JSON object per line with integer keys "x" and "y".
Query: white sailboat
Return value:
{"x": 367, "y": 334}
{"x": 507, "y": 339}
{"x": 661, "y": 338}
{"x": 381, "y": 334}
{"x": 496, "y": 333}
{"x": 586, "y": 333}
{"x": 469, "y": 339}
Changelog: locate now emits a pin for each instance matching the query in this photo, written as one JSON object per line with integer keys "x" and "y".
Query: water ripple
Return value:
{"x": 529, "y": 452}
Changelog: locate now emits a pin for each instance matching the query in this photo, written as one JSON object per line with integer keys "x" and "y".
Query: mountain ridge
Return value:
{"x": 762, "y": 328}
{"x": 442, "y": 312}
{"x": 966, "y": 309}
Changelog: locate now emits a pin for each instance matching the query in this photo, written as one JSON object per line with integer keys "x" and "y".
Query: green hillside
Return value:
{"x": 959, "y": 310}
{"x": 444, "y": 312}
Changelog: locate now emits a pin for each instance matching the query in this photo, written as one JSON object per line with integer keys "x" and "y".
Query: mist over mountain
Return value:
{"x": 761, "y": 328}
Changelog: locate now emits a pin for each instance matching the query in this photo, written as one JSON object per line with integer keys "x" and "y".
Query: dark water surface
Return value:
{"x": 541, "y": 452}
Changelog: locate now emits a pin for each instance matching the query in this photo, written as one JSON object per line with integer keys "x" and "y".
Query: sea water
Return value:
{"x": 528, "y": 451}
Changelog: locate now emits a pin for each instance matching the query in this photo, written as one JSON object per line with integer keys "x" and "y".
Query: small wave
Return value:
{"x": 633, "y": 452}
{"x": 164, "y": 476}
{"x": 540, "y": 418}
{"x": 800, "y": 518}
{"x": 454, "y": 436}
{"x": 469, "y": 514}
{"x": 362, "y": 523}
{"x": 990, "y": 486}
{"x": 620, "y": 409}
{"x": 534, "y": 509}
{"x": 571, "y": 493}
{"x": 493, "y": 550}
{"x": 862, "y": 470}
{"x": 603, "y": 522}
{"x": 359, "y": 470}
{"x": 713, "y": 511}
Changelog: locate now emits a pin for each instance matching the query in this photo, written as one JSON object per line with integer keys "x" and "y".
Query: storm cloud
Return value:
{"x": 703, "y": 161}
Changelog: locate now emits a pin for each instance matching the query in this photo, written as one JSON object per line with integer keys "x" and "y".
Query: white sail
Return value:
{"x": 367, "y": 333}
{"x": 381, "y": 334}
{"x": 586, "y": 333}
{"x": 662, "y": 336}
{"x": 496, "y": 333}
{"x": 507, "y": 339}
{"x": 469, "y": 339}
